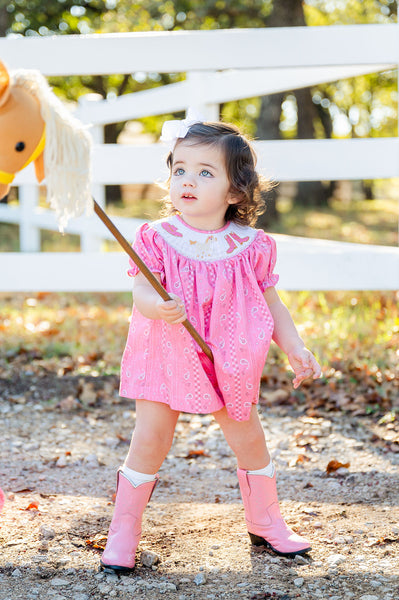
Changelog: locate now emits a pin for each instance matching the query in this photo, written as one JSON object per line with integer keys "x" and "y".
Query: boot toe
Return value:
{"x": 289, "y": 545}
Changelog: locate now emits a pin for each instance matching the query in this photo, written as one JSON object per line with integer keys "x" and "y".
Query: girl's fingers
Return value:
{"x": 306, "y": 374}
{"x": 170, "y": 305}
{"x": 172, "y": 311}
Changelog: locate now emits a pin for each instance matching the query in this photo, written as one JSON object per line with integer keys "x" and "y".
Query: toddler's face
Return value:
{"x": 199, "y": 185}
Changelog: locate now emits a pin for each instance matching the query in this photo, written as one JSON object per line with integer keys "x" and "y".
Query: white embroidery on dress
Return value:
{"x": 204, "y": 245}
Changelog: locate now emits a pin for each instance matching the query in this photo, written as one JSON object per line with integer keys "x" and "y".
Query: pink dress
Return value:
{"x": 220, "y": 275}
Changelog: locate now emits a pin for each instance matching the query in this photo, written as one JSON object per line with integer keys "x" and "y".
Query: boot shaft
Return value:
{"x": 133, "y": 499}
{"x": 259, "y": 496}
{"x": 125, "y": 529}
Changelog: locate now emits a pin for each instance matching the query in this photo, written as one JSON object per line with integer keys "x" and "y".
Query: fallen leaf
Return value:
{"x": 196, "y": 454}
{"x": 382, "y": 541}
{"x": 98, "y": 542}
{"x": 302, "y": 458}
{"x": 333, "y": 465}
{"x": 88, "y": 394}
{"x": 32, "y": 506}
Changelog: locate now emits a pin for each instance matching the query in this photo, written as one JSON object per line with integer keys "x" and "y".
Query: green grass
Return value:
{"x": 9, "y": 237}
{"x": 361, "y": 221}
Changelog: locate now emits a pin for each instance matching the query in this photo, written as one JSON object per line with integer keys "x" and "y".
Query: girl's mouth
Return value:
{"x": 188, "y": 197}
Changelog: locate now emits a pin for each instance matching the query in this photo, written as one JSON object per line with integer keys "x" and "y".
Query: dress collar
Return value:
{"x": 208, "y": 246}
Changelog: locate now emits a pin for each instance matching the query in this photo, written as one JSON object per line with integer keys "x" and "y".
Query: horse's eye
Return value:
{"x": 20, "y": 146}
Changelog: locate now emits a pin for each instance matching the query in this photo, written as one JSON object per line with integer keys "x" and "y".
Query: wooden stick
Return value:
{"x": 149, "y": 275}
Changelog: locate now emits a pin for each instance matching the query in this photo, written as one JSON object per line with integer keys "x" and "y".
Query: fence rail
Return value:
{"x": 303, "y": 264}
{"x": 284, "y": 160}
{"x": 181, "y": 51}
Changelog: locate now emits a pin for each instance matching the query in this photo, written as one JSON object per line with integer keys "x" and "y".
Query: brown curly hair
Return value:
{"x": 240, "y": 161}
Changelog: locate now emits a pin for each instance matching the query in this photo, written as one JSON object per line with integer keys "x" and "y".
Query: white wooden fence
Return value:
{"x": 220, "y": 66}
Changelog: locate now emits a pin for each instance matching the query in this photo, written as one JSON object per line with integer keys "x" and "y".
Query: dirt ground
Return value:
{"x": 58, "y": 460}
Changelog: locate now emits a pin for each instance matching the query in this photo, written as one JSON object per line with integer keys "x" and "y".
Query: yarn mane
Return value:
{"x": 67, "y": 151}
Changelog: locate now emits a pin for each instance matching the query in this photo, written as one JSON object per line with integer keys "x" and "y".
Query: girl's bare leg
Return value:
{"x": 152, "y": 436}
{"x": 246, "y": 439}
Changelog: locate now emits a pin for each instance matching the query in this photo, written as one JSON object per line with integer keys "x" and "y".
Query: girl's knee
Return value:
{"x": 155, "y": 425}
{"x": 254, "y": 438}
{"x": 153, "y": 440}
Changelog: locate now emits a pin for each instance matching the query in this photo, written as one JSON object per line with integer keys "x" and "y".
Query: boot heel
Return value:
{"x": 115, "y": 569}
{"x": 256, "y": 540}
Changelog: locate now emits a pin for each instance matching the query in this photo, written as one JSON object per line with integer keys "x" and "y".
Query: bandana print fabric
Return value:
{"x": 221, "y": 276}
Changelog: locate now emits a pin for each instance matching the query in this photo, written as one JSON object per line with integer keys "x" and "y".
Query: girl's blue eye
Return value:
{"x": 206, "y": 173}
{"x": 179, "y": 171}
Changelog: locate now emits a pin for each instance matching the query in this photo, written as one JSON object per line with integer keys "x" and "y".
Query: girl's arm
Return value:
{"x": 152, "y": 306}
{"x": 287, "y": 338}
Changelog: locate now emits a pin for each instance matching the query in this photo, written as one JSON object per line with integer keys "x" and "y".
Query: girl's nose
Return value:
{"x": 188, "y": 180}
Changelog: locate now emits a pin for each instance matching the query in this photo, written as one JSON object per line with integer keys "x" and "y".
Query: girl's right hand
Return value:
{"x": 172, "y": 311}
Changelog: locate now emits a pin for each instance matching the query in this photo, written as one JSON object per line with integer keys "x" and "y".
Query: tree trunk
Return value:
{"x": 4, "y": 20}
{"x": 309, "y": 193}
{"x": 268, "y": 128}
{"x": 113, "y": 193}
{"x": 289, "y": 13}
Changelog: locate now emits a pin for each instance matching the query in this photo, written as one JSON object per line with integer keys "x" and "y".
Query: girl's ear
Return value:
{"x": 232, "y": 199}
{"x": 4, "y": 84}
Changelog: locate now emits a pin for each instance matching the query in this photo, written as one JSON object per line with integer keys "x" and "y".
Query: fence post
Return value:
{"x": 29, "y": 233}
{"x": 197, "y": 81}
{"x": 90, "y": 242}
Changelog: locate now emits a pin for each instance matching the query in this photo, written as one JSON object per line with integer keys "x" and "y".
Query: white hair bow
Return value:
{"x": 173, "y": 130}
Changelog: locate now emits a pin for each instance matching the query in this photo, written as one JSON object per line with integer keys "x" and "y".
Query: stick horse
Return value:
{"x": 35, "y": 127}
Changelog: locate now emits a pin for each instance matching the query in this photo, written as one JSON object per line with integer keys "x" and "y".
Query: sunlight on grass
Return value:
{"x": 350, "y": 326}
{"x": 9, "y": 237}
{"x": 359, "y": 221}
{"x": 65, "y": 324}
{"x": 357, "y": 327}
{"x": 54, "y": 241}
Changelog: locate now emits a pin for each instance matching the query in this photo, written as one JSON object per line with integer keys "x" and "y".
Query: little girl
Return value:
{"x": 218, "y": 271}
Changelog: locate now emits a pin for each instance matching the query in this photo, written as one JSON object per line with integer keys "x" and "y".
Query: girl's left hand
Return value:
{"x": 304, "y": 365}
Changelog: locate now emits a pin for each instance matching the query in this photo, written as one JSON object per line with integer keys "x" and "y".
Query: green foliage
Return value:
{"x": 364, "y": 106}
{"x": 358, "y": 107}
{"x": 45, "y": 17}
{"x": 349, "y": 12}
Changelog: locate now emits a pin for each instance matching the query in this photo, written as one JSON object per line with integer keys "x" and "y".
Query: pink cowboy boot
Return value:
{"x": 266, "y": 526}
{"x": 125, "y": 529}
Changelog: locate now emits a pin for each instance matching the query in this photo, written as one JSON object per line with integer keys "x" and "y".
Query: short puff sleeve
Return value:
{"x": 150, "y": 252}
{"x": 265, "y": 261}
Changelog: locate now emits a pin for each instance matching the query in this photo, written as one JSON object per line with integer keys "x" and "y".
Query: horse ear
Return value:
{"x": 4, "y": 83}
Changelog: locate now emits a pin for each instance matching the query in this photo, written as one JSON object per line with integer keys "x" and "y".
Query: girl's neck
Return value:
{"x": 202, "y": 225}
